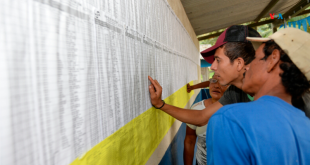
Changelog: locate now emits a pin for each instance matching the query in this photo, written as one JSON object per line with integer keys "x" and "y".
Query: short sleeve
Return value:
{"x": 233, "y": 95}
{"x": 226, "y": 142}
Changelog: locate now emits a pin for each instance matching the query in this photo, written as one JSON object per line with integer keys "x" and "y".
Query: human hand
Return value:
{"x": 189, "y": 88}
{"x": 155, "y": 92}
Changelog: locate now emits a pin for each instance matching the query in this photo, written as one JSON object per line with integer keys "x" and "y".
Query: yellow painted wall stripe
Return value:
{"x": 135, "y": 142}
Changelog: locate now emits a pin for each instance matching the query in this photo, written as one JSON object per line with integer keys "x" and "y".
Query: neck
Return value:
{"x": 274, "y": 88}
{"x": 213, "y": 100}
{"x": 238, "y": 81}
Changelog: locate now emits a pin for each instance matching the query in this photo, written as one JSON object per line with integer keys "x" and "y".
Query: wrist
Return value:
{"x": 159, "y": 105}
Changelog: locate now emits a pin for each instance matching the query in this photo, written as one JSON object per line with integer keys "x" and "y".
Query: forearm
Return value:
{"x": 195, "y": 117}
{"x": 201, "y": 85}
{"x": 188, "y": 155}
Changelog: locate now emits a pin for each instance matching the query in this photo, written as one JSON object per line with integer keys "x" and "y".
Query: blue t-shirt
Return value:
{"x": 266, "y": 131}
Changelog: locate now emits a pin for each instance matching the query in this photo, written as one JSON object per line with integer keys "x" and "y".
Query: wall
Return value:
{"x": 74, "y": 85}
{"x": 178, "y": 9}
{"x": 170, "y": 150}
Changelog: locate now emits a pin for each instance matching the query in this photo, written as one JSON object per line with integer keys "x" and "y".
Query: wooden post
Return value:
{"x": 274, "y": 27}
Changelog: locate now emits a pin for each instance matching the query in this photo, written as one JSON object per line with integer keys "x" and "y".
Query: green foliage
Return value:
{"x": 264, "y": 30}
{"x": 211, "y": 75}
{"x": 210, "y": 41}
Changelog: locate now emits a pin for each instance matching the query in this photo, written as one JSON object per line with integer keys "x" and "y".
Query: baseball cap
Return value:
{"x": 295, "y": 43}
{"x": 234, "y": 33}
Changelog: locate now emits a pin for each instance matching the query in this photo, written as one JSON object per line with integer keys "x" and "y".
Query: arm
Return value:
{"x": 200, "y": 85}
{"x": 226, "y": 137}
{"x": 189, "y": 146}
{"x": 195, "y": 117}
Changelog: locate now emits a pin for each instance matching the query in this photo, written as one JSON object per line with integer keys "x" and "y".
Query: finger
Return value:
{"x": 152, "y": 91}
{"x": 154, "y": 83}
{"x": 151, "y": 79}
{"x": 159, "y": 88}
{"x": 157, "y": 82}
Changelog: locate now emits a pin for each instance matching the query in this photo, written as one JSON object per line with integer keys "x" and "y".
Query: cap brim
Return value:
{"x": 209, "y": 59}
{"x": 257, "y": 41}
{"x": 208, "y": 54}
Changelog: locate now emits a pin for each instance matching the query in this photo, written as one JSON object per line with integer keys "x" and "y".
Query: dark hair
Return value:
{"x": 294, "y": 81}
{"x": 233, "y": 50}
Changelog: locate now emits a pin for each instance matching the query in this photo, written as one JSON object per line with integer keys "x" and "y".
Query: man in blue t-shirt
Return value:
{"x": 269, "y": 130}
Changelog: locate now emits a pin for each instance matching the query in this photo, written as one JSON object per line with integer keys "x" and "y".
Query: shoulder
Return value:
{"x": 233, "y": 88}
{"x": 233, "y": 91}
{"x": 227, "y": 109}
{"x": 199, "y": 105}
{"x": 233, "y": 95}
{"x": 242, "y": 110}
{"x": 252, "y": 111}
{"x": 207, "y": 102}
{"x": 233, "y": 116}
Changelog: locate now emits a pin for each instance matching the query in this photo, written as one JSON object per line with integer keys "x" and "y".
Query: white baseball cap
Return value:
{"x": 295, "y": 43}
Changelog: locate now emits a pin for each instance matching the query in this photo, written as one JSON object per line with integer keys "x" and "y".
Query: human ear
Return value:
{"x": 240, "y": 64}
{"x": 273, "y": 60}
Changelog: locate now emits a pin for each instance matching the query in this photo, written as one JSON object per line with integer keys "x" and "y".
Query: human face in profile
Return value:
{"x": 255, "y": 73}
{"x": 226, "y": 71}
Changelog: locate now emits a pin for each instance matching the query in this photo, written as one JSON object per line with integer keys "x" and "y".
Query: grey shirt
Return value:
{"x": 233, "y": 95}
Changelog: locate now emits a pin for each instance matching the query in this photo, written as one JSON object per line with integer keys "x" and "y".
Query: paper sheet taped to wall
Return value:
{"x": 72, "y": 72}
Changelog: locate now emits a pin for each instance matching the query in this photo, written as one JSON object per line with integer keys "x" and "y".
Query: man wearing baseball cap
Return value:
{"x": 232, "y": 52}
{"x": 269, "y": 130}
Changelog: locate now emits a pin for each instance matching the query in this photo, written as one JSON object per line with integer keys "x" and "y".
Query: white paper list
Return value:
{"x": 72, "y": 72}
